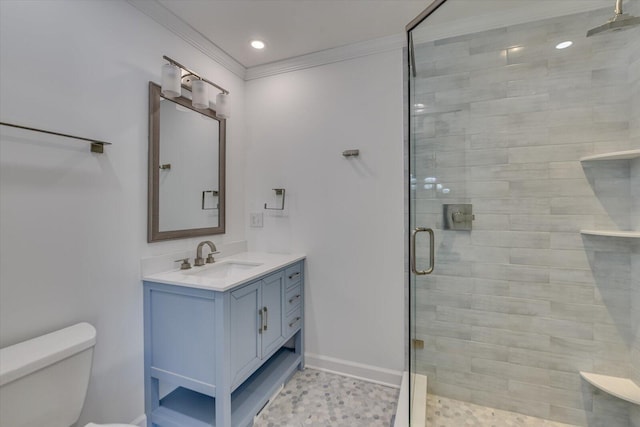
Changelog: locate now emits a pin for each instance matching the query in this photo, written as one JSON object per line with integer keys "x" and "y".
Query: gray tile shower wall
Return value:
{"x": 521, "y": 304}
{"x": 635, "y": 313}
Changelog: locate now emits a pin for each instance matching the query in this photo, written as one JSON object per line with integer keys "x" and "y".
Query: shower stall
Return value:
{"x": 523, "y": 188}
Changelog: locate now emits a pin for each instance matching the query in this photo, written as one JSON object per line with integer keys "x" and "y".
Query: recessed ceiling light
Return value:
{"x": 564, "y": 45}
{"x": 257, "y": 44}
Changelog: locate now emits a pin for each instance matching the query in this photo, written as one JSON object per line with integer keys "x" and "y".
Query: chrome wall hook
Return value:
{"x": 279, "y": 192}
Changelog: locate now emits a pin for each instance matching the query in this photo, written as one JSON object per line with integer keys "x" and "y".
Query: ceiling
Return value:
{"x": 291, "y": 28}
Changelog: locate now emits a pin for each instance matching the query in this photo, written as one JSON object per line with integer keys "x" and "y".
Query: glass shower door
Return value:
{"x": 509, "y": 115}
{"x": 424, "y": 187}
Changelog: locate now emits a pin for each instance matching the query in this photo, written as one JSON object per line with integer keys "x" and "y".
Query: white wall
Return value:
{"x": 345, "y": 214}
{"x": 73, "y": 223}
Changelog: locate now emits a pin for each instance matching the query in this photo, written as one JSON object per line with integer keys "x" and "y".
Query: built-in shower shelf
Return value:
{"x": 622, "y": 388}
{"x": 616, "y": 155}
{"x": 612, "y": 233}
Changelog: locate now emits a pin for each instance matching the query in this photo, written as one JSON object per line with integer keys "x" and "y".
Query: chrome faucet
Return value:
{"x": 199, "y": 261}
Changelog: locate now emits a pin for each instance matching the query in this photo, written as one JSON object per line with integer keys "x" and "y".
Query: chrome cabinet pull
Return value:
{"x": 294, "y": 322}
{"x": 414, "y": 234}
{"x": 296, "y": 274}
{"x": 266, "y": 318}
{"x": 292, "y": 299}
{"x": 261, "y": 321}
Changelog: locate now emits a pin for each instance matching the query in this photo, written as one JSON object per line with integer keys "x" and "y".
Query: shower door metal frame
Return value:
{"x": 413, "y": 271}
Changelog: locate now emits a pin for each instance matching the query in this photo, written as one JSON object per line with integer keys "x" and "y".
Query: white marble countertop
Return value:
{"x": 226, "y": 273}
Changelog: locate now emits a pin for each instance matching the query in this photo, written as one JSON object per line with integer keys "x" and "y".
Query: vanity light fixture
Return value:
{"x": 257, "y": 44}
{"x": 175, "y": 76}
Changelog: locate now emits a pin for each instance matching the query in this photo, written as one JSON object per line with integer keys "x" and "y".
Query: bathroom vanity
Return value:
{"x": 222, "y": 339}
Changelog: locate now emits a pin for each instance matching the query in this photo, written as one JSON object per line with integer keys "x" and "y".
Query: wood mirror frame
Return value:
{"x": 153, "y": 210}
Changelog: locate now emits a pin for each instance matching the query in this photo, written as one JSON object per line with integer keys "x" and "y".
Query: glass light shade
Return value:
{"x": 199, "y": 94}
{"x": 222, "y": 105}
{"x": 171, "y": 79}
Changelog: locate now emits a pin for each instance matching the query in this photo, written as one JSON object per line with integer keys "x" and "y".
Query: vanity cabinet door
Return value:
{"x": 272, "y": 304}
{"x": 245, "y": 305}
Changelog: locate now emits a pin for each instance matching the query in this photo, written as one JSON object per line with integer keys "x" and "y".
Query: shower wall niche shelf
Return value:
{"x": 622, "y": 388}
{"x": 616, "y": 155}
{"x": 612, "y": 233}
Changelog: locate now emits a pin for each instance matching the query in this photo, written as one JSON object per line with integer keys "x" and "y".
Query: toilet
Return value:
{"x": 44, "y": 380}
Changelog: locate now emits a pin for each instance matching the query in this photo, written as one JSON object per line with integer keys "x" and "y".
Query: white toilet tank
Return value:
{"x": 43, "y": 381}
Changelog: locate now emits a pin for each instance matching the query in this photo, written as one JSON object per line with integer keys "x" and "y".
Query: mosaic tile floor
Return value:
{"x": 444, "y": 412}
{"x": 319, "y": 399}
{"x": 314, "y": 398}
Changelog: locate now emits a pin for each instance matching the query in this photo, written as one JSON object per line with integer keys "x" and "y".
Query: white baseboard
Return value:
{"x": 141, "y": 421}
{"x": 372, "y": 374}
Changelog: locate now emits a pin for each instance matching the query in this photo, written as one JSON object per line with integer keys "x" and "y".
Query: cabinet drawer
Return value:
{"x": 293, "y": 298}
{"x": 293, "y": 322}
{"x": 293, "y": 274}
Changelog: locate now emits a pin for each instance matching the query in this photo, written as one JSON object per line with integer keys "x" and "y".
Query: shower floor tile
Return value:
{"x": 315, "y": 398}
{"x": 320, "y": 399}
{"x": 444, "y": 412}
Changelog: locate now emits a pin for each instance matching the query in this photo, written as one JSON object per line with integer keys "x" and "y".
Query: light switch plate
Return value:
{"x": 256, "y": 219}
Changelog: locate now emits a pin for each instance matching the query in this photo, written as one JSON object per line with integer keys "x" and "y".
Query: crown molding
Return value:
{"x": 163, "y": 16}
{"x": 328, "y": 56}
{"x": 470, "y": 25}
{"x": 176, "y": 25}
{"x": 435, "y": 31}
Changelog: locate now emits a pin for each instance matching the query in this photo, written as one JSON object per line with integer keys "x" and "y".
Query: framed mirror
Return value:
{"x": 186, "y": 169}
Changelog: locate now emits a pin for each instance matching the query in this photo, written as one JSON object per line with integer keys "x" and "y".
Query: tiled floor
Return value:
{"x": 443, "y": 412}
{"x": 314, "y": 398}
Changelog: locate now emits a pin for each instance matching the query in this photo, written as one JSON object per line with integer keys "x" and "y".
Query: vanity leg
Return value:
{"x": 300, "y": 334}
{"x": 223, "y": 362}
{"x": 223, "y": 410}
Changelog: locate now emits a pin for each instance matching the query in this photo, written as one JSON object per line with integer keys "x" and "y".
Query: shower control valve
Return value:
{"x": 458, "y": 216}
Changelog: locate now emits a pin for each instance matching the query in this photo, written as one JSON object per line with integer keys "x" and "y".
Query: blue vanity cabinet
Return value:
{"x": 245, "y": 305}
{"x": 256, "y": 325}
{"x": 215, "y": 358}
{"x": 272, "y": 336}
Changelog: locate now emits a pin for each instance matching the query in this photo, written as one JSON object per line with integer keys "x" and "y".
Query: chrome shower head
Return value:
{"x": 619, "y": 21}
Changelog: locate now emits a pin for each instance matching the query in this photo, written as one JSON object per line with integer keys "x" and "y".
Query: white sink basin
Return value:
{"x": 221, "y": 270}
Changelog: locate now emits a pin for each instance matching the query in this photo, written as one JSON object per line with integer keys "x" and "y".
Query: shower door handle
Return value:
{"x": 414, "y": 235}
